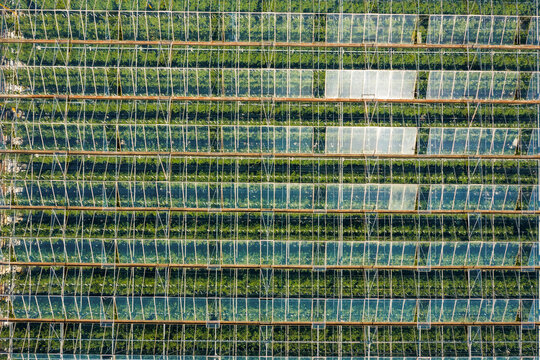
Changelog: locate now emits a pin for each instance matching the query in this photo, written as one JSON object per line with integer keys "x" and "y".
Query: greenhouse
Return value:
{"x": 248, "y": 180}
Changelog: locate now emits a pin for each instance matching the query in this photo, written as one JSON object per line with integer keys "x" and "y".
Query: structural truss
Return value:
{"x": 246, "y": 180}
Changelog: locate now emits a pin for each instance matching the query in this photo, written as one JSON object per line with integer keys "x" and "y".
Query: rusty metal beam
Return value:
{"x": 165, "y": 43}
{"x": 263, "y": 99}
{"x": 264, "y": 155}
{"x": 265, "y": 210}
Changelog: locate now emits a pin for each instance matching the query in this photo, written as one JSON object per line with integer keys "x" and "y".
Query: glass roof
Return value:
{"x": 472, "y": 29}
{"x": 272, "y": 252}
{"x": 534, "y": 203}
{"x": 533, "y": 147}
{"x": 472, "y": 141}
{"x": 263, "y": 196}
{"x": 42, "y": 356}
{"x": 376, "y": 84}
{"x": 165, "y": 138}
{"x": 492, "y": 85}
{"x": 279, "y": 27}
{"x": 473, "y": 197}
{"x": 370, "y": 28}
{"x": 533, "y": 37}
{"x": 371, "y": 197}
{"x": 160, "y": 81}
{"x": 266, "y": 310}
{"x": 273, "y": 83}
{"x": 370, "y": 140}
{"x": 533, "y": 92}
{"x": 233, "y": 26}
{"x": 210, "y": 195}
{"x": 271, "y": 26}
{"x": 266, "y": 139}
{"x": 484, "y": 85}
{"x": 268, "y": 83}
{"x": 244, "y": 180}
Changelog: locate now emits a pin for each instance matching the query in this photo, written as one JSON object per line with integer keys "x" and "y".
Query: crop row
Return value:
{"x": 290, "y": 253}
{"x": 257, "y": 170}
{"x": 269, "y": 83}
{"x": 277, "y": 340}
{"x": 271, "y": 309}
{"x": 254, "y": 226}
{"x": 86, "y": 56}
{"x": 274, "y": 283}
{"x": 279, "y": 27}
{"x": 257, "y": 113}
{"x": 168, "y": 82}
{"x": 270, "y": 196}
{"x": 269, "y": 140}
{"x": 500, "y": 7}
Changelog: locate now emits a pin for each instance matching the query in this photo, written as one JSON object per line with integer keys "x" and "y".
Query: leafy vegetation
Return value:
{"x": 179, "y": 255}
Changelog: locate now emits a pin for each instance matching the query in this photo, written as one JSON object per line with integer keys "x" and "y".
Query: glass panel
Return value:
{"x": 472, "y": 29}
{"x": 472, "y": 141}
{"x": 472, "y": 85}
{"x": 377, "y": 84}
{"x": 370, "y": 140}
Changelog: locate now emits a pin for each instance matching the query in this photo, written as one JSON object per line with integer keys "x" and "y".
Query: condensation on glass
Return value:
{"x": 375, "y": 84}
{"x": 371, "y": 140}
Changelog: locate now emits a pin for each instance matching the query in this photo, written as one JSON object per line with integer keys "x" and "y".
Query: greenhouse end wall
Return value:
{"x": 269, "y": 179}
